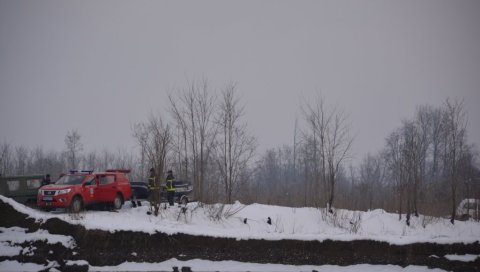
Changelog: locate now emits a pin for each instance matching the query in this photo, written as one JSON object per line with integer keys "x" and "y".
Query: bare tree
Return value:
{"x": 394, "y": 158}
{"x": 275, "y": 171}
{"x": 370, "y": 180}
{"x": 154, "y": 138}
{"x": 5, "y": 159}
{"x": 404, "y": 156}
{"x": 317, "y": 120}
{"x": 437, "y": 128}
{"x": 55, "y": 163}
{"x": 21, "y": 160}
{"x": 91, "y": 160}
{"x": 410, "y": 164}
{"x": 193, "y": 109}
{"x": 339, "y": 143}
{"x": 329, "y": 136}
{"x": 427, "y": 159}
{"x": 37, "y": 161}
{"x": 74, "y": 146}
{"x": 455, "y": 122}
{"x": 236, "y": 147}
{"x": 423, "y": 124}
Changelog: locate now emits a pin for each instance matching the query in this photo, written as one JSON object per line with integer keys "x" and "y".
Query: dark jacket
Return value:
{"x": 169, "y": 182}
{"x": 152, "y": 183}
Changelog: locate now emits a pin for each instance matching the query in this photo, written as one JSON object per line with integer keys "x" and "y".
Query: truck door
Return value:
{"x": 90, "y": 190}
{"x": 107, "y": 187}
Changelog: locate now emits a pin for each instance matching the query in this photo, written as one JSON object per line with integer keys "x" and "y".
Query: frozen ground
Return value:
{"x": 242, "y": 222}
{"x": 251, "y": 222}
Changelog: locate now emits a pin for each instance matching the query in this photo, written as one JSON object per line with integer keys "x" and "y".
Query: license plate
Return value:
{"x": 47, "y": 198}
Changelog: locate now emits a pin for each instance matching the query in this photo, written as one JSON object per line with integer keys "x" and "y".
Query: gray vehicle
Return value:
{"x": 183, "y": 189}
{"x": 23, "y": 189}
{"x": 469, "y": 208}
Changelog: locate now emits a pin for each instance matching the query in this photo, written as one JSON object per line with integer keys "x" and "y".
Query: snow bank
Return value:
{"x": 251, "y": 222}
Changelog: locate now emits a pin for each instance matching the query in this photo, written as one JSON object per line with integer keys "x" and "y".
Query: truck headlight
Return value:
{"x": 64, "y": 191}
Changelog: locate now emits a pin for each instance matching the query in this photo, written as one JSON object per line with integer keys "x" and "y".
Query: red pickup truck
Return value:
{"x": 77, "y": 190}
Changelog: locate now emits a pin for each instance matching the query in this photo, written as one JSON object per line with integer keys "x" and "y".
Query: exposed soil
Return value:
{"x": 100, "y": 248}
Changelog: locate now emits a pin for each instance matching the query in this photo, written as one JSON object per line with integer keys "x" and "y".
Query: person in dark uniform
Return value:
{"x": 170, "y": 187}
{"x": 46, "y": 180}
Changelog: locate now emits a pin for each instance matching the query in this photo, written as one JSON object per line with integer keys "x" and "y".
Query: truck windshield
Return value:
{"x": 70, "y": 180}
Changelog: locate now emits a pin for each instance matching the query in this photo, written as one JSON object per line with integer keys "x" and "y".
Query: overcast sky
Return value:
{"x": 101, "y": 66}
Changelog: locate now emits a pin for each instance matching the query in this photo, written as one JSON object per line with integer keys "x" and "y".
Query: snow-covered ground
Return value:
{"x": 251, "y": 222}
{"x": 225, "y": 266}
{"x": 244, "y": 222}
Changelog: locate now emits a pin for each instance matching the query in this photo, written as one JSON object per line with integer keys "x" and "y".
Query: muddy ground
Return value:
{"x": 101, "y": 248}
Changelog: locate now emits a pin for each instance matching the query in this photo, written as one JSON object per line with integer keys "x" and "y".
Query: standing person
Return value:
{"x": 170, "y": 187}
{"x": 154, "y": 193}
{"x": 46, "y": 180}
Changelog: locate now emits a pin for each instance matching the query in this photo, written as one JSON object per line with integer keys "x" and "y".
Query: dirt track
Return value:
{"x": 101, "y": 248}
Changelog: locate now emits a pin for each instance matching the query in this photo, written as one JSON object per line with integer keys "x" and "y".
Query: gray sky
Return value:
{"x": 101, "y": 66}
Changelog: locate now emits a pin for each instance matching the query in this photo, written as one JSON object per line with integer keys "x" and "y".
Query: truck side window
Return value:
{"x": 107, "y": 179}
{"x": 90, "y": 181}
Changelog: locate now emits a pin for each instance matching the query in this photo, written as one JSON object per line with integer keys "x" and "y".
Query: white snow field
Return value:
{"x": 245, "y": 222}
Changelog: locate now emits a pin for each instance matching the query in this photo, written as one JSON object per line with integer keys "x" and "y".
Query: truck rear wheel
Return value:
{"x": 117, "y": 202}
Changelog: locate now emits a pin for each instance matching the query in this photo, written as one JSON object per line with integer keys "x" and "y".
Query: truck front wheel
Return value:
{"x": 77, "y": 205}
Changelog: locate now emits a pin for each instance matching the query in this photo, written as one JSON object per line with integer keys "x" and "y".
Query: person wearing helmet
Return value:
{"x": 154, "y": 196}
{"x": 170, "y": 186}
{"x": 47, "y": 180}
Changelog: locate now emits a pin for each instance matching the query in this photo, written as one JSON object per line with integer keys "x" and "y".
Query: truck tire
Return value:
{"x": 117, "y": 202}
{"x": 77, "y": 205}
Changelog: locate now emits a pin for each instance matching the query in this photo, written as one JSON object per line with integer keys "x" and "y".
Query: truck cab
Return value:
{"x": 80, "y": 189}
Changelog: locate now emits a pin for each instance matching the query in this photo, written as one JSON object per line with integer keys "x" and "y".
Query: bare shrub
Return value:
{"x": 214, "y": 212}
{"x": 345, "y": 220}
{"x": 427, "y": 220}
{"x": 279, "y": 225}
{"x": 218, "y": 212}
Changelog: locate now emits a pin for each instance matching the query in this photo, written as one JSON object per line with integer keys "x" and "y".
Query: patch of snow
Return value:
{"x": 462, "y": 258}
{"x": 232, "y": 266}
{"x": 16, "y": 235}
{"x": 76, "y": 262}
{"x": 8, "y": 250}
{"x": 28, "y": 251}
{"x": 14, "y": 266}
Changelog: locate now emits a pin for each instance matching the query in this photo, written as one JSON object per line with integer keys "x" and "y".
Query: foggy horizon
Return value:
{"x": 100, "y": 67}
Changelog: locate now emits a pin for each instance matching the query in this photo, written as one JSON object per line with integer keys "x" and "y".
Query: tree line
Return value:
{"x": 426, "y": 165}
